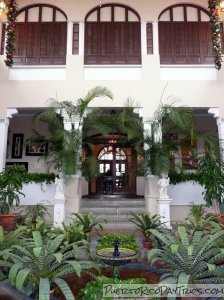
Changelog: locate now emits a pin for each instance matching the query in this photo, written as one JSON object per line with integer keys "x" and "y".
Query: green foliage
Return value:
{"x": 146, "y": 221}
{"x": 125, "y": 241}
{"x": 42, "y": 226}
{"x": 89, "y": 222}
{"x": 72, "y": 233}
{"x": 198, "y": 220}
{"x": 10, "y": 185}
{"x": 15, "y": 237}
{"x": 64, "y": 145}
{"x": 189, "y": 258}
{"x": 157, "y": 158}
{"x": 210, "y": 174}
{"x": 35, "y": 212}
{"x": 94, "y": 289}
{"x": 38, "y": 269}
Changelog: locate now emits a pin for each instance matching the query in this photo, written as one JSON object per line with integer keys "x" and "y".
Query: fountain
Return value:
{"x": 116, "y": 257}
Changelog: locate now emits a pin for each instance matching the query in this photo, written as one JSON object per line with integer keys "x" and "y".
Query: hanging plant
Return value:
{"x": 12, "y": 9}
{"x": 216, "y": 32}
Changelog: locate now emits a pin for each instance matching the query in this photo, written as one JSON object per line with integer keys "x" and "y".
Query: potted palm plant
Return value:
{"x": 210, "y": 176}
{"x": 64, "y": 146}
{"x": 145, "y": 222}
{"x": 11, "y": 182}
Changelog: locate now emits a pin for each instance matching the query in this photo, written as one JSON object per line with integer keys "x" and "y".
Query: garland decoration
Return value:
{"x": 216, "y": 32}
{"x": 12, "y": 9}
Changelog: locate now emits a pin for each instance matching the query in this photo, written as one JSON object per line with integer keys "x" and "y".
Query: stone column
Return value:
{"x": 151, "y": 186}
{"x": 81, "y": 38}
{"x": 143, "y": 38}
{"x": 73, "y": 190}
{"x": 59, "y": 202}
{"x": 220, "y": 125}
{"x": 69, "y": 38}
{"x": 155, "y": 31}
{"x": 4, "y": 124}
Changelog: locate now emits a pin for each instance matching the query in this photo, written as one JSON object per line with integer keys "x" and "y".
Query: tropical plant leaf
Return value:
{"x": 13, "y": 272}
{"x": 37, "y": 238}
{"x": 76, "y": 267}
{"x": 21, "y": 278}
{"x": 64, "y": 288}
{"x": 44, "y": 289}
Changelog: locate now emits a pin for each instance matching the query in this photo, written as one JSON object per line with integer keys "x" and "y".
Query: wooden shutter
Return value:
{"x": 149, "y": 34}
{"x": 165, "y": 42}
{"x": 133, "y": 46}
{"x": 91, "y": 42}
{"x": 185, "y": 43}
{"x": 20, "y": 43}
{"x": 75, "y": 45}
{"x": 3, "y": 39}
{"x": 112, "y": 43}
{"x": 41, "y": 43}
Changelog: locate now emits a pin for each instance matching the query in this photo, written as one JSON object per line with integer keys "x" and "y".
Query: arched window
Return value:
{"x": 41, "y": 35}
{"x": 112, "y": 35}
{"x": 185, "y": 35}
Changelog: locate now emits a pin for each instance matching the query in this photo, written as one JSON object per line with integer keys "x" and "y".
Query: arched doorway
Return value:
{"x": 116, "y": 170}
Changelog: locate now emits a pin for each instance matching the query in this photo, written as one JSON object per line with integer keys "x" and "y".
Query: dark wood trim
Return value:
{"x": 149, "y": 38}
{"x": 26, "y": 8}
{"x": 112, "y": 6}
{"x": 75, "y": 44}
{"x": 3, "y": 39}
{"x": 186, "y": 5}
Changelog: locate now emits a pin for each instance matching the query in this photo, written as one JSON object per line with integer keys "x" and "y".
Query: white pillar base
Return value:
{"x": 164, "y": 210}
{"x": 151, "y": 193}
{"x": 59, "y": 212}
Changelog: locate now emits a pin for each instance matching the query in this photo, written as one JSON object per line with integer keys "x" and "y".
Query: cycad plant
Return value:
{"x": 38, "y": 270}
{"x": 89, "y": 222}
{"x": 198, "y": 220}
{"x": 189, "y": 258}
{"x": 146, "y": 221}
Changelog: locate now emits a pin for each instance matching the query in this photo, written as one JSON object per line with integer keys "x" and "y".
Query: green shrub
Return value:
{"x": 125, "y": 241}
{"x": 94, "y": 289}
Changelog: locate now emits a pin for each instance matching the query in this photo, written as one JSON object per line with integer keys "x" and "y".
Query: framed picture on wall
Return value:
{"x": 189, "y": 154}
{"x": 17, "y": 145}
{"x": 23, "y": 165}
{"x": 37, "y": 149}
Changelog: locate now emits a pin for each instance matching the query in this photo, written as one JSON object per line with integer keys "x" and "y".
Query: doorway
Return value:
{"x": 115, "y": 166}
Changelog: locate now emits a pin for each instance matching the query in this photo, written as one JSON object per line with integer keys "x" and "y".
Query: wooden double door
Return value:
{"x": 115, "y": 170}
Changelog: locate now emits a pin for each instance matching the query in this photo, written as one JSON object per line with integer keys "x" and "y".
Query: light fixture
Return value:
{"x": 222, "y": 6}
{"x": 2, "y": 6}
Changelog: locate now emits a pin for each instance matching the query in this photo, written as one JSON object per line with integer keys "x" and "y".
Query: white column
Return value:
{"x": 164, "y": 211}
{"x": 143, "y": 38}
{"x": 220, "y": 125}
{"x": 155, "y": 32}
{"x": 81, "y": 38}
{"x": 69, "y": 38}
{"x": 151, "y": 186}
{"x": 59, "y": 212}
{"x": 4, "y": 124}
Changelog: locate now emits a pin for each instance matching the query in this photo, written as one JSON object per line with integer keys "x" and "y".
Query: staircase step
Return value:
{"x": 113, "y": 203}
{"x": 115, "y": 210}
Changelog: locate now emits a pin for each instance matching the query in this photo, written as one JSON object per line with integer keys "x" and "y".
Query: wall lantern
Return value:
{"x": 2, "y": 6}
{"x": 222, "y": 6}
